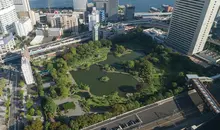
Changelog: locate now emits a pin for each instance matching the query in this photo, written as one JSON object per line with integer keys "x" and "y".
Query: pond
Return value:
{"x": 118, "y": 82}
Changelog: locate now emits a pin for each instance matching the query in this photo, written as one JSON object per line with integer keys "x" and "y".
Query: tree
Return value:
{"x": 2, "y": 84}
{"x": 49, "y": 106}
{"x": 38, "y": 112}
{"x": 174, "y": 84}
{"x": 55, "y": 125}
{"x": 49, "y": 67}
{"x": 64, "y": 92}
{"x": 146, "y": 72}
{"x": 130, "y": 64}
{"x": 118, "y": 109}
{"x": 73, "y": 50}
{"x": 120, "y": 49}
{"x": 63, "y": 127}
{"x": 35, "y": 125}
{"x": 29, "y": 103}
{"x": 31, "y": 111}
{"x": 21, "y": 83}
{"x": 106, "y": 43}
{"x": 21, "y": 93}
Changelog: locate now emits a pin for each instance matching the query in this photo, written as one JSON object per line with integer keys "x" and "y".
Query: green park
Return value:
{"x": 110, "y": 77}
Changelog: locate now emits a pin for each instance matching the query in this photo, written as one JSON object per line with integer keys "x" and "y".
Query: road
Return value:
{"x": 13, "y": 125}
{"x": 155, "y": 112}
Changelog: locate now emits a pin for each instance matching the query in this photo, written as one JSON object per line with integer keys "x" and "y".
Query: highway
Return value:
{"x": 154, "y": 112}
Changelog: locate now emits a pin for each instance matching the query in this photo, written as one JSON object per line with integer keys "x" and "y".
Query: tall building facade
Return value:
{"x": 113, "y": 10}
{"x": 26, "y": 67}
{"x": 22, "y": 5}
{"x": 7, "y": 16}
{"x": 190, "y": 24}
{"x": 80, "y": 5}
{"x": 101, "y": 5}
{"x": 94, "y": 18}
{"x": 68, "y": 22}
{"x": 23, "y": 27}
{"x": 129, "y": 12}
{"x": 95, "y": 32}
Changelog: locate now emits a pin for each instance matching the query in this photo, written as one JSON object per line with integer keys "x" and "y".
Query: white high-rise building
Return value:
{"x": 22, "y": 5}
{"x": 23, "y": 27}
{"x": 93, "y": 18}
{"x": 7, "y": 16}
{"x": 96, "y": 32}
{"x": 190, "y": 25}
{"x": 26, "y": 68}
{"x": 80, "y": 5}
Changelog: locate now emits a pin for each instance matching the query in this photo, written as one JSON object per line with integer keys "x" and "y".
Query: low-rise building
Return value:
{"x": 23, "y": 27}
{"x": 55, "y": 32}
{"x": 7, "y": 43}
{"x": 156, "y": 34}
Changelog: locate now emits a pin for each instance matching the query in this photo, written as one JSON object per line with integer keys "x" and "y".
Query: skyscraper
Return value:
{"x": 190, "y": 25}
{"x": 7, "y": 16}
{"x": 26, "y": 68}
{"x": 22, "y": 5}
{"x": 129, "y": 12}
{"x": 93, "y": 18}
{"x": 112, "y": 10}
{"x": 80, "y": 5}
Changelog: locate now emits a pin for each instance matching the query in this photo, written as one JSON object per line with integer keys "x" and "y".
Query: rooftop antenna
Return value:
{"x": 49, "y": 5}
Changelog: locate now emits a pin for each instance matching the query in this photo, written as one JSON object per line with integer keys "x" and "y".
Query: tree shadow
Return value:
{"x": 127, "y": 89}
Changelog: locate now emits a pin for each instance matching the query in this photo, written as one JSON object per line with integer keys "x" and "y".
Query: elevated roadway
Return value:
{"x": 152, "y": 14}
{"x": 46, "y": 47}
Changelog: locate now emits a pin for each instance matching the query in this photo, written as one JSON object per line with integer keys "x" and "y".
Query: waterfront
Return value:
{"x": 141, "y": 5}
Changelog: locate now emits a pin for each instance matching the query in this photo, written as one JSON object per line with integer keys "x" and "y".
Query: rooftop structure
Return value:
{"x": 209, "y": 56}
{"x": 22, "y": 5}
{"x": 69, "y": 22}
{"x": 23, "y": 27}
{"x": 156, "y": 34}
{"x": 190, "y": 25}
{"x": 26, "y": 67}
{"x": 7, "y": 43}
{"x": 7, "y": 16}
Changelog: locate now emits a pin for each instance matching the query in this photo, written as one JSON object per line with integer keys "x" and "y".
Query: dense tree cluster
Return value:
{"x": 86, "y": 51}
{"x": 35, "y": 125}
{"x": 59, "y": 71}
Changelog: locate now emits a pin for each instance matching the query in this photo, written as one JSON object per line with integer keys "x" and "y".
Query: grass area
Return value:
{"x": 101, "y": 55}
{"x": 67, "y": 106}
{"x": 125, "y": 53}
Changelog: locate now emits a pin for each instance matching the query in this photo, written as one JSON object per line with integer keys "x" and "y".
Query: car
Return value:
{"x": 104, "y": 128}
{"x": 130, "y": 123}
{"x": 137, "y": 121}
{"x": 124, "y": 125}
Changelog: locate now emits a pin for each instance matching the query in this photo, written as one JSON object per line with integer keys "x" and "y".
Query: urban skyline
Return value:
{"x": 103, "y": 65}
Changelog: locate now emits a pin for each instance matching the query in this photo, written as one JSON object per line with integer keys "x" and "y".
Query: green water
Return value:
{"x": 118, "y": 82}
